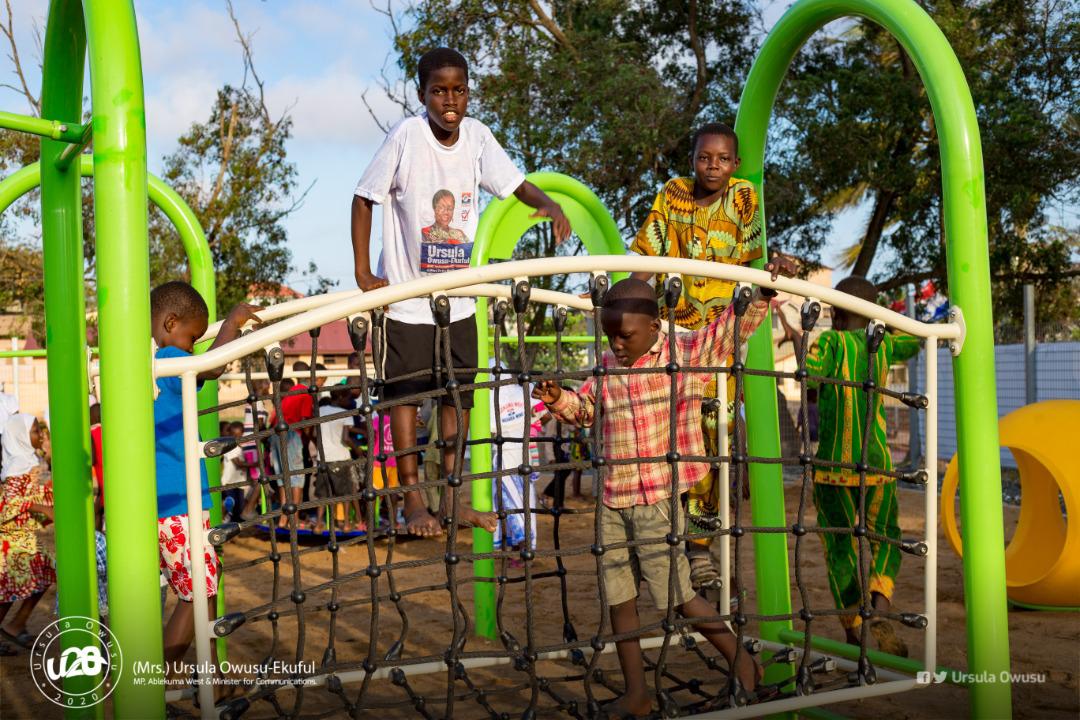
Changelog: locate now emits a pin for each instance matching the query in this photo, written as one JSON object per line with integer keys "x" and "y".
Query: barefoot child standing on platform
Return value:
{"x": 427, "y": 176}
{"x": 711, "y": 216}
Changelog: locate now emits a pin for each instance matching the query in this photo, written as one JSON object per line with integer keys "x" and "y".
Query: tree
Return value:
{"x": 232, "y": 170}
{"x": 857, "y": 129}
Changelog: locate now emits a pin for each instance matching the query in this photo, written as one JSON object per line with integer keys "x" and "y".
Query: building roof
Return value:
{"x": 333, "y": 340}
{"x": 273, "y": 293}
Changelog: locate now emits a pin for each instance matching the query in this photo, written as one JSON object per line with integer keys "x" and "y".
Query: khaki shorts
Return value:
{"x": 625, "y": 568}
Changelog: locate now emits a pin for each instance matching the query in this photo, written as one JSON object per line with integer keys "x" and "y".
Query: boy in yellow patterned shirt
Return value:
{"x": 711, "y": 216}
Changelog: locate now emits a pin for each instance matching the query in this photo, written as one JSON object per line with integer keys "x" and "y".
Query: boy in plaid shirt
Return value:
{"x": 637, "y": 497}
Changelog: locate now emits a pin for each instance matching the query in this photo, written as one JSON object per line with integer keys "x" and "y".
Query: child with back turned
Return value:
{"x": 841, "y": 353}
{"x": 179, "y": 317}
{"x": 427, "y": 175}
{"x": 637, "y": 497}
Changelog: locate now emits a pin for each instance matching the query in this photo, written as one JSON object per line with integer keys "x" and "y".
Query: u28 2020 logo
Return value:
{"x": 91, "y": 651}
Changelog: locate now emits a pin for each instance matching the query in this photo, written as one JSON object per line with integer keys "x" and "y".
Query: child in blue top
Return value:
{"x": 179, "y": 317}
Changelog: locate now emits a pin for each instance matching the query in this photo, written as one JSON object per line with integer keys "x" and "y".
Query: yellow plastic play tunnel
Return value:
{"x": 1042, "y": 561}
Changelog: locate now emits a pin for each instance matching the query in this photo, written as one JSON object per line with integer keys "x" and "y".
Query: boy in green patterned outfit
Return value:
{"x": 841, "y": 353}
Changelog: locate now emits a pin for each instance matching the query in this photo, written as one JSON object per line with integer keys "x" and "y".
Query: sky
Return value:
{"x": 318, "y": 56}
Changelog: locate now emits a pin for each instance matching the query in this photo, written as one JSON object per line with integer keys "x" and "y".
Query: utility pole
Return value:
{"x": 1031, "y": 390}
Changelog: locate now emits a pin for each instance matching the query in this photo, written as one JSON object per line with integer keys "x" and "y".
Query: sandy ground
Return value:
{"x": 1043, "y": 644}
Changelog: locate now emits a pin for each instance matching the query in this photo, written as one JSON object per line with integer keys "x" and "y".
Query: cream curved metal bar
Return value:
{"x": 300, "y": 316}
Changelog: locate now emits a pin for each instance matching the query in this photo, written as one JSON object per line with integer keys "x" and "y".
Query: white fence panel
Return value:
{"x": 1057, "y": 378}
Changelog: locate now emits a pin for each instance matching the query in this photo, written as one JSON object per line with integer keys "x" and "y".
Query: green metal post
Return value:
{"x": 23, "y": 353}
{"x": 65, "y": 337}
{"x": 483, "y": 541}
{"x": 123, "y": 274}
{"x": 851, "y": 652}
{"x": 501, "y": 226}
{"x": 969, "y": 285}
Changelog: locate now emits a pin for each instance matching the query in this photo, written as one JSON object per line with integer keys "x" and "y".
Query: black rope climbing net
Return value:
{"x": 536, "y": 673}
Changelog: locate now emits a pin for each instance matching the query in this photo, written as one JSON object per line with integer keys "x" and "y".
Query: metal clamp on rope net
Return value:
{"x": 875, "y": 334}
{"x": 358, "y": 331}
{"x": 740, "y": 299}
{"x": 520, "y": 294}
{"x": 440, "y": 309}
{"x": 598, "y": 287}
{"x": 672, "y": 290}
{"x": 809, "y": 313}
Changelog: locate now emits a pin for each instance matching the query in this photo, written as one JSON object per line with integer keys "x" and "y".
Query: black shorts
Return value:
{"x": 411, "y": 348}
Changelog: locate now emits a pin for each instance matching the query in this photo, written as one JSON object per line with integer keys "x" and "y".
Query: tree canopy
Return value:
{"x": 232, "y": 170}
{"x": 856, "y": 128}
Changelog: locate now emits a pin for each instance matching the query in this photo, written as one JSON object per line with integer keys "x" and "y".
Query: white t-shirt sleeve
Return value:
{"x": 378, "y": 179}
{"x": 498, "y": 173}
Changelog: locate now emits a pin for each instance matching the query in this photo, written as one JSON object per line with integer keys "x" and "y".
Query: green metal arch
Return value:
{"x": 969, "y": 285}
{"x": 180, "y": 214}
{"x": 501, "y": 227}
{"x": 505, "y": 221}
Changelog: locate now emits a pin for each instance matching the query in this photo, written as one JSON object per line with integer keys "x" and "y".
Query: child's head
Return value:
{"x": 287, "y": 384}
{"x": 178, "y": 315}
{"x": 37, "y": 437}
{"x": 861, "y": 288}
{"x": 714, "y": 155}
{"x": 320, "y": 381}
{"x": 236, "y": 429}
{"x": 630, "y": 319}
{"x": 443, "y": 77}
{"x": 340, "y": 396}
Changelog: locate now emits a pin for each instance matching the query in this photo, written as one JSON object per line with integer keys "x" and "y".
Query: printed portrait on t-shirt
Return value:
{"x": 442, "y": 247}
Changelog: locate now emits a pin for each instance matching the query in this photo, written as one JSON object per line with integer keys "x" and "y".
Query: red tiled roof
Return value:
{"x": 333, "y": 340}
{"x": 273, "y": 292}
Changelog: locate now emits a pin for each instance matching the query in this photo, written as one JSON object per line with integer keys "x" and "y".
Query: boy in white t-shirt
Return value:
{"x": 427, "y": 176}
{"x": 337, "y": 443}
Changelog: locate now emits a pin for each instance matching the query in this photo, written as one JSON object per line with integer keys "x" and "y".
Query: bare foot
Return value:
{"x": 749, "y": 673}
{"x": 421, "y": 522}
{"x": 627, "y": 706}
{"x": 471, "y": 518}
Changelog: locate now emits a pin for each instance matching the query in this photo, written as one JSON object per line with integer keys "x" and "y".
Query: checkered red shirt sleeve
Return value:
{"x": 636, "y": 412}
